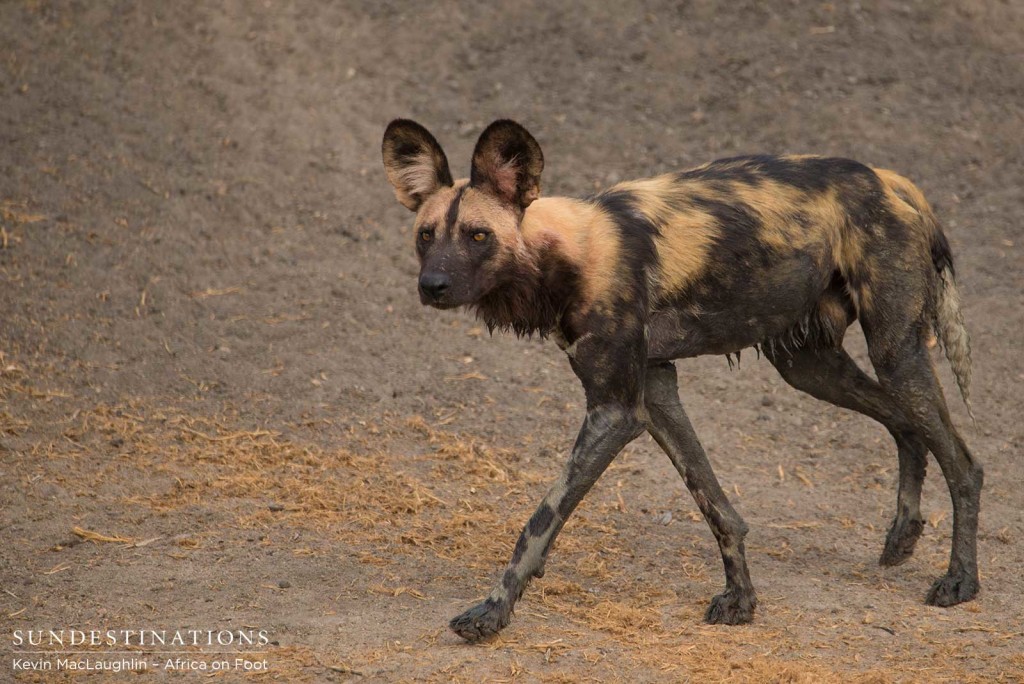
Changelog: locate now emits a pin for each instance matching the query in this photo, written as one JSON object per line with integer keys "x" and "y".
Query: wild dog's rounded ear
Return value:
{"x": 507, "y": 162}
{"x": 414, "y": 162}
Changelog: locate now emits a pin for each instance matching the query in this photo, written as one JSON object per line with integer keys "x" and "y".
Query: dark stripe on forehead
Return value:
{"x": 453, "y": 210}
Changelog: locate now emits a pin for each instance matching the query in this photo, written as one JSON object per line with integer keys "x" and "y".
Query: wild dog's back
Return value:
{"x": 754, "y": 249}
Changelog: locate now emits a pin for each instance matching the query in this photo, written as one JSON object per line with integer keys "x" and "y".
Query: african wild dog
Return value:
{"x": 777, "y": 253}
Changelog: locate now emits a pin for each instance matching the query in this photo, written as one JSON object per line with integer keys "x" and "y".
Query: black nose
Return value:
{"x": 435, "y": 284}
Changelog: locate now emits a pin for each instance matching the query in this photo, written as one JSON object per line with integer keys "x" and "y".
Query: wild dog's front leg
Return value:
{"x": 672, "y": 430}
{"x": 606, "y": 430}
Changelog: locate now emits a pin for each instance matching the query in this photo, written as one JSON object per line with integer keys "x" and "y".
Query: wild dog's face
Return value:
{"x": 467, "y": 231}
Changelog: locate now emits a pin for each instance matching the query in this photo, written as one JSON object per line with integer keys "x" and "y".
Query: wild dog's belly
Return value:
{"x": 731, "y": 313}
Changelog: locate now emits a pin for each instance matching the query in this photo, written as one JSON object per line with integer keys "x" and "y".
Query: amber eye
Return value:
{"x": 479, "y": 236}
{"x": 426, "y": 236}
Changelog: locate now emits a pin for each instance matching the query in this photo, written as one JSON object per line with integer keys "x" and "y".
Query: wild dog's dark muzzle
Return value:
{"x": 433, "y": 286}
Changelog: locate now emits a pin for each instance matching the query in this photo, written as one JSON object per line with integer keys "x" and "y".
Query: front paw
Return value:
{"x": 733, "y": 607}
{"x": 953, "y": 589}
{"x": 481, "y": 621}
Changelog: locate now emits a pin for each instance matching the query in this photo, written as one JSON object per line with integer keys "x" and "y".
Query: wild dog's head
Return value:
{"x": 468, "y": 231}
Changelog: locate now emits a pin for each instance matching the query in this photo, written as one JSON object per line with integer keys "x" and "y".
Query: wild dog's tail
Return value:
{"x": 948, "y": 317}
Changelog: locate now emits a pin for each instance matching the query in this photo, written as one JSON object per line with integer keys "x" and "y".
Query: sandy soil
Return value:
{"x": 214, "y": 366}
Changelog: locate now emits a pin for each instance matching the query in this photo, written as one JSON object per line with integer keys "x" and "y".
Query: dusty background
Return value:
{"x": 213, "y": 362}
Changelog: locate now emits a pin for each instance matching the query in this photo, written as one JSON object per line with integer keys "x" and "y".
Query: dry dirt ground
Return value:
{"x": 221, "y": 405}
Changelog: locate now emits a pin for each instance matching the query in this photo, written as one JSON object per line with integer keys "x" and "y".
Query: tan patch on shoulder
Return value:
{"x": 584, "y": 235}
{"x": 685, "y": 232}
{"x": 602, "y": 247}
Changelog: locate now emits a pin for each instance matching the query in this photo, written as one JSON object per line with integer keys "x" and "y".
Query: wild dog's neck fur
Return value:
{"x": 543, "y": 279}
{"x": 540, "y": 285}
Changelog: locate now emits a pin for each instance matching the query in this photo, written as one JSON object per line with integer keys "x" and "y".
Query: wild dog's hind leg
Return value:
{"x": 906, "y": 373}
{"x": 671, "y": 428}
{"x": 908, "y": 524}
{"x": 831, "y": 375}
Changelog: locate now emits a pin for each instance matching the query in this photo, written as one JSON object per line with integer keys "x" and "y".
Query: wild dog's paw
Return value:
{"x": 900, "y": 542}
{"x": 481, "y": 621}
{"x": 953, "y": 589}
{"x": 732, "y": 607}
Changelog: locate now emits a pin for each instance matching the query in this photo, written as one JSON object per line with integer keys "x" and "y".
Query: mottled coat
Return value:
{"x": 778, "y": 253}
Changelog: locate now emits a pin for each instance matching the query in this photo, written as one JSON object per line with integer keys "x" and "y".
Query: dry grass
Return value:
{"x": 449, "y": 500}
{"x": 98, "y": 537}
